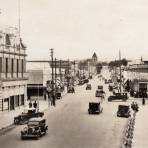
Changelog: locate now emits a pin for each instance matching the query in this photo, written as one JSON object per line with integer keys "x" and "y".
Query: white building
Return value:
{"x": 13, "y": 77}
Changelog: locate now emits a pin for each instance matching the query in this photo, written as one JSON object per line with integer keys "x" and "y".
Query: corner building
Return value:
{"x": 13, "y": 76}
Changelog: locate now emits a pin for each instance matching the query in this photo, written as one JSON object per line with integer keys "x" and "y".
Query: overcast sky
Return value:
{"x": 77, "y": 28}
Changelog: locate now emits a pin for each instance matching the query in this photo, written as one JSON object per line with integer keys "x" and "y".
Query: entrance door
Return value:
{"x": 11, "y": 102}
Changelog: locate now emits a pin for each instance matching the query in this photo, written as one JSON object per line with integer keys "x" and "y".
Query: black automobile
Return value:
{"x": 71, "y": 90}
{"x": 25, "y": 116}
{"x": 99, "y": 93}
{"x": 118, "y": 96}
{"x": 86, "y": 80}
{"x": 88, "y": 87}
{"x": 95, "y": 108}
{"x": 123, "y": 111}
{"x": 100, "y": 87}
{"x": 81, "y": 82}
{"x": 35, "y": 128}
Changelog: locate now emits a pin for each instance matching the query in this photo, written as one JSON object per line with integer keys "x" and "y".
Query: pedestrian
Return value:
{"x": 35, "y": 104}
{"x": 53, "y": 99}
{"x": 143, "y": 101}
{"x": 30, "y": 104}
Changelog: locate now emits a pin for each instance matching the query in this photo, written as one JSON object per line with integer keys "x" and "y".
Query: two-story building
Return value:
{"x": 13, "y": 78}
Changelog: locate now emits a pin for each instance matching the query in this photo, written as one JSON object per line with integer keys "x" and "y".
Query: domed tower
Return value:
{"x": 94, "y": 57}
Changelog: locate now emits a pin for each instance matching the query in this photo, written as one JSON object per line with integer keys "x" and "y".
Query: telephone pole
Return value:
{"x": 55, "y": 60}
{"x": 52, "y": 74}
{"x": 120, "y": 71}
{"x": 60, "y": 71}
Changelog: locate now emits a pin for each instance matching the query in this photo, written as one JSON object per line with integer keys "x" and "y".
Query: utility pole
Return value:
{"x": 60, "y": 72}
{"x": 120, "y": 70}
{"x": 55, "y": 75}
{"x": 52, "y": 74}
{"x": 74, "y": 71}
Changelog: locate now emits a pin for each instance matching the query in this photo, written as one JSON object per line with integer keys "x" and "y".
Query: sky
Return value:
{"x": 75, "y": 29}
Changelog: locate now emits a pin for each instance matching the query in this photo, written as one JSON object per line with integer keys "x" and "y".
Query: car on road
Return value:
{"x": 81, "y": 82}
{"x": 100, "y": 87}
{"x": 123, "y": 111}
{"x": 35, "y": 128}
{"x": 95, "y": 108}
{"x": 26, "y": 115}
{"x": 88, "y": 87}
{"x": 86, "y": 80}
{"x": 99, "y": 93}
{"x": 118, "y": 96}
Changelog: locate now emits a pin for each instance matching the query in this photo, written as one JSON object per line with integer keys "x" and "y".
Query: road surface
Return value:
{"x": 70, "y": 125}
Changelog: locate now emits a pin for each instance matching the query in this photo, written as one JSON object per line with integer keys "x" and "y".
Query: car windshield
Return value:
{"x": 33, "y": 123}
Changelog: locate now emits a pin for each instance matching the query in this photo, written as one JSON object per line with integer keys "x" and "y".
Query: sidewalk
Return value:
{"x": 140, "y": 139}
{"x": 7, "y": 117}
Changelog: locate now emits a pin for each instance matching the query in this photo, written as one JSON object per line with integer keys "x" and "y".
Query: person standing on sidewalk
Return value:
{"x": 143, "y": 98}
{"x": 35, "y": 104}
{"x": 30, "y": 104}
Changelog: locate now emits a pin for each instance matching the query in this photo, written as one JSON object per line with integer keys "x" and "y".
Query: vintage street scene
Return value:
{"x": 73, "y": 74}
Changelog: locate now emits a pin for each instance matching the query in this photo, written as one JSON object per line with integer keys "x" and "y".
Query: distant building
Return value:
{"x": 137, "y": 73}
{"x": 13, "y": 77}
{"x": 94, "y": 58}
{"x": 40, "y": 76}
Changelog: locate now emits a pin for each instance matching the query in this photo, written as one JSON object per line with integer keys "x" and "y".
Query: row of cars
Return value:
{"x": 123, "y": 110}
{"x": 36, "y": 123}
{"x": 95, "y": 107}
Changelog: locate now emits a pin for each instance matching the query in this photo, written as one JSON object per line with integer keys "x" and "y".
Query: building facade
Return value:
{"x": 13, "y": 77}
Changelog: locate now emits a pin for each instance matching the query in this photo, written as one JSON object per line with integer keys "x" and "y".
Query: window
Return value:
{"x": 17, "y": 67}
{"x": 6, "y": 67}
{"x": 12, "y": 67}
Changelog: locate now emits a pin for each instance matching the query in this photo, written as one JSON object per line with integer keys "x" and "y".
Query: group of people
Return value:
{"x": 34, "y": 104}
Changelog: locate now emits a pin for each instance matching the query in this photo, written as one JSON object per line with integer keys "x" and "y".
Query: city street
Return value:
{"x": 70, "y": 125}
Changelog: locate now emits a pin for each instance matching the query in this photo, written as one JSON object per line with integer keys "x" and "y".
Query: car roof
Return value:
{"x": 37, "y": 119}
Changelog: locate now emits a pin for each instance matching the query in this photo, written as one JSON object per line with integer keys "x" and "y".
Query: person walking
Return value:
{"x": 35, "y": 104}
{"x": 143, "y": 98}
{"x": 30, "y": 104}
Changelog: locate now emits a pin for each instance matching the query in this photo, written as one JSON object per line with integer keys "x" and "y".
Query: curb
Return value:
{"x": 8, "y": 128}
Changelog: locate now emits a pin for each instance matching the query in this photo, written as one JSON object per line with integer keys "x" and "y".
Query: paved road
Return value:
{"x": 70, "y": 126}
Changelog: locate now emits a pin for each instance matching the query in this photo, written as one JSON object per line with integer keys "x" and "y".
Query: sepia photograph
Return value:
{"x": 73, "y": 73}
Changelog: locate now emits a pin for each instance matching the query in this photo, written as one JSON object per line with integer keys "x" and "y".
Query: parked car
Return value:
{"x": 25, "y": 116}
{"x": 111, "y": 87}
{"x": 35, "y": 128}
{"x": 95, "y": 108}
{"x": 118, "y": 96}
{"x": 81, "y": 82}
{"x": 86, "y": 80}
{"x": 100, "y": 87}
{"x": 123, "y": 111}
{"x": 88, "y": 87}
{"x": 99, "y": 93}
{"x": 71, "y": 89}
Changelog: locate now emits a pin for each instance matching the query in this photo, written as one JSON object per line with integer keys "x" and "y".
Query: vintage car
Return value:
{"x": 99, "y": 93}
{"x": 71, "y": 89}
{"x": 88, "y": 87}
{"x": 100, "y": 87}
{"x": 86, "y": 80}
{"x": 95, "y": 108}
{"x": 111, "y": 87}
{"x": 118, "y": 96}
{"x": 25, "y": 116}
{"x": 81, "y": 82}
{"x": 123, "y": 111}
{"x": 35, "y": 128}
